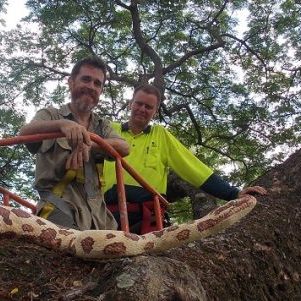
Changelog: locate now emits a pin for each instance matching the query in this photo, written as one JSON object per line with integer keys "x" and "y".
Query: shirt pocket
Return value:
{"x": 49, "y": 144}
{"x": 63, "y": 143}
{"x": 152, "y": 157}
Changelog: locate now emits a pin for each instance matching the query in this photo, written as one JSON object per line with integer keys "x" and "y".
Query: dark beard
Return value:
{"x": 77, "y": 93}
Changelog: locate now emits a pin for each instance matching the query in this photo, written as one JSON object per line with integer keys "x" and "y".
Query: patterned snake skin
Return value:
{"x": 101, "y": 244}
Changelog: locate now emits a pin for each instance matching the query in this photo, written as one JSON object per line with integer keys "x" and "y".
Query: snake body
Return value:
{"x": 100, "y": 244}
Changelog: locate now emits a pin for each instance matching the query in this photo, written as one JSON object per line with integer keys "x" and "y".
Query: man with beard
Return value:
{"x": 68, "y": 169}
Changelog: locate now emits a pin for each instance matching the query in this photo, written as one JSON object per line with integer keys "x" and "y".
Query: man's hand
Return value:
{"x": 78, "y": 156}
{"x": 76, "y": 134}
{"x": 120, "y": 145}
{"x": 252, "y": 190}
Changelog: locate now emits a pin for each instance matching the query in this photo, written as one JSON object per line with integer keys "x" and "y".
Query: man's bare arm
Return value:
{"x": 120, "y": 145}
{"x": 74, "y": 132}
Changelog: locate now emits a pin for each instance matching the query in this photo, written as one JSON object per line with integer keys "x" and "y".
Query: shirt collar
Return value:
{"x": 65, "y": 111}
{"x": 125, "y": 128}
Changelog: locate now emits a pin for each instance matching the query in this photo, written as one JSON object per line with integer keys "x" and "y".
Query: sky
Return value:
{"x": 15, "y": 11}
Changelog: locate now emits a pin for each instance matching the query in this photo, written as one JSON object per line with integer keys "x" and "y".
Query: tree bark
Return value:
{"x": 256, "y": 259}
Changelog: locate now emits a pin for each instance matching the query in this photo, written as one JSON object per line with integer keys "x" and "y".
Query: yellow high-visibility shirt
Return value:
{"x": 152, "y": 153}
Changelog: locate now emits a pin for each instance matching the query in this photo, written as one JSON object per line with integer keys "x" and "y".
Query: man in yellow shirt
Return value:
{"x": 153, "y": 151}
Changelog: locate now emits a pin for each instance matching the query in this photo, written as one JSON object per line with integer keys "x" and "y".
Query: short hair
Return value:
{"x": 93, "y": 61}
{"x": 149, "y": 89}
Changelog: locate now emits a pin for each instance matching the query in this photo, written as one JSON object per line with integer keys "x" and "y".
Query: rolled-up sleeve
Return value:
{"x": 33, "y": 148}
{"x": 105, "y": 131}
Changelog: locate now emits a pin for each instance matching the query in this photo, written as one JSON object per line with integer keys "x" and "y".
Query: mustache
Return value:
{"x": 85, "y": 91}
{"x": 88, "y": 91}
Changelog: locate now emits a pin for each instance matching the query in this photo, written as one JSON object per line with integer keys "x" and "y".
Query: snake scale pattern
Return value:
{"x": 102, "y": 244}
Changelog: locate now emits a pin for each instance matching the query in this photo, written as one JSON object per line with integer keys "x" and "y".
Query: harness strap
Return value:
{"x": 131, "y": 207}
{"x": 79, "y": 175}
{"x": 60, "y": 187}
{"x": 53, "y": 201}
{"x": 148, "y": 222}
{"x": 46, "y": 210}
{"x": 99, "y": 168}
{"x": 53, "y": 198}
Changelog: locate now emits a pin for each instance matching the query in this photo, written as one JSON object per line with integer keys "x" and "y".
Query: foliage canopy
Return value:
{"x": 231, "y": 84}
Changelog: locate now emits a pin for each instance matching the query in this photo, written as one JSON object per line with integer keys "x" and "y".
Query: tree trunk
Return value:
{"x": 256, "y": 259}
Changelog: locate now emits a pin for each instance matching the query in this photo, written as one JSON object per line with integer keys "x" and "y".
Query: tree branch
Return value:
{"x": 247, "y": 47}
{"x": 145, "y": 47}
{"x": 190, "y": 54}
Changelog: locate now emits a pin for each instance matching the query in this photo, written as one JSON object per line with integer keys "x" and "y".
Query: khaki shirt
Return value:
{"x": 51, "y": 156}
